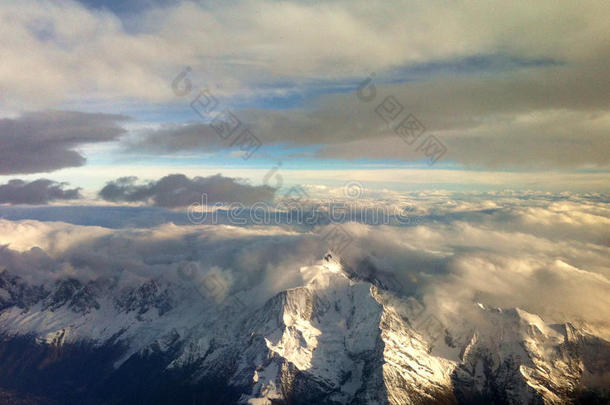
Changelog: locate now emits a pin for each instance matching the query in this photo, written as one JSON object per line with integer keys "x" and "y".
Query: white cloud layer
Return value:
{"x": 547, "y": 254}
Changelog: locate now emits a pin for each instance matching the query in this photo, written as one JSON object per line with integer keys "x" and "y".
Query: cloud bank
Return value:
{"x": 177, "y": 190}
{"x": 546, "y": 254}
{"x": 503, "y": 85}
{"x": 41, "y": 191}
{"x": 246, "y": 44}
{"x": 556, "y": 117}
{"x": 45, "y": 141}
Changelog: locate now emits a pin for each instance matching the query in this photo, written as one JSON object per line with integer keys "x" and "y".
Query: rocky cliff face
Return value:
{"x": 338, "y": 339}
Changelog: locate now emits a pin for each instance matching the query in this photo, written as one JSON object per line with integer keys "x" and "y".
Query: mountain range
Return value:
{"x": 340, "y": 338}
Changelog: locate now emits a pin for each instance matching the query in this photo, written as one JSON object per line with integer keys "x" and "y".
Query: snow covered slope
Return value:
{"x": 336, "y": 339}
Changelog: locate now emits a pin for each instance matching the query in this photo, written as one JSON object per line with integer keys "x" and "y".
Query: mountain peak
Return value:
{"x": 332, "y": 262}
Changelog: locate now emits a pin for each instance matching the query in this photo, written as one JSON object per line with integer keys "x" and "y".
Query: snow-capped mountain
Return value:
{"x": 337, "y": 339}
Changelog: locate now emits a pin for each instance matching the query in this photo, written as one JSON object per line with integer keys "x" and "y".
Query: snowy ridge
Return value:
{"x": 335, "y": 340}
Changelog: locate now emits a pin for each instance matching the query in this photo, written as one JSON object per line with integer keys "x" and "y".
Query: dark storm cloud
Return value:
{"x": 40, "y": 191}
{"x": 177, "y": 190}
{"x": 45, "y": 141}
